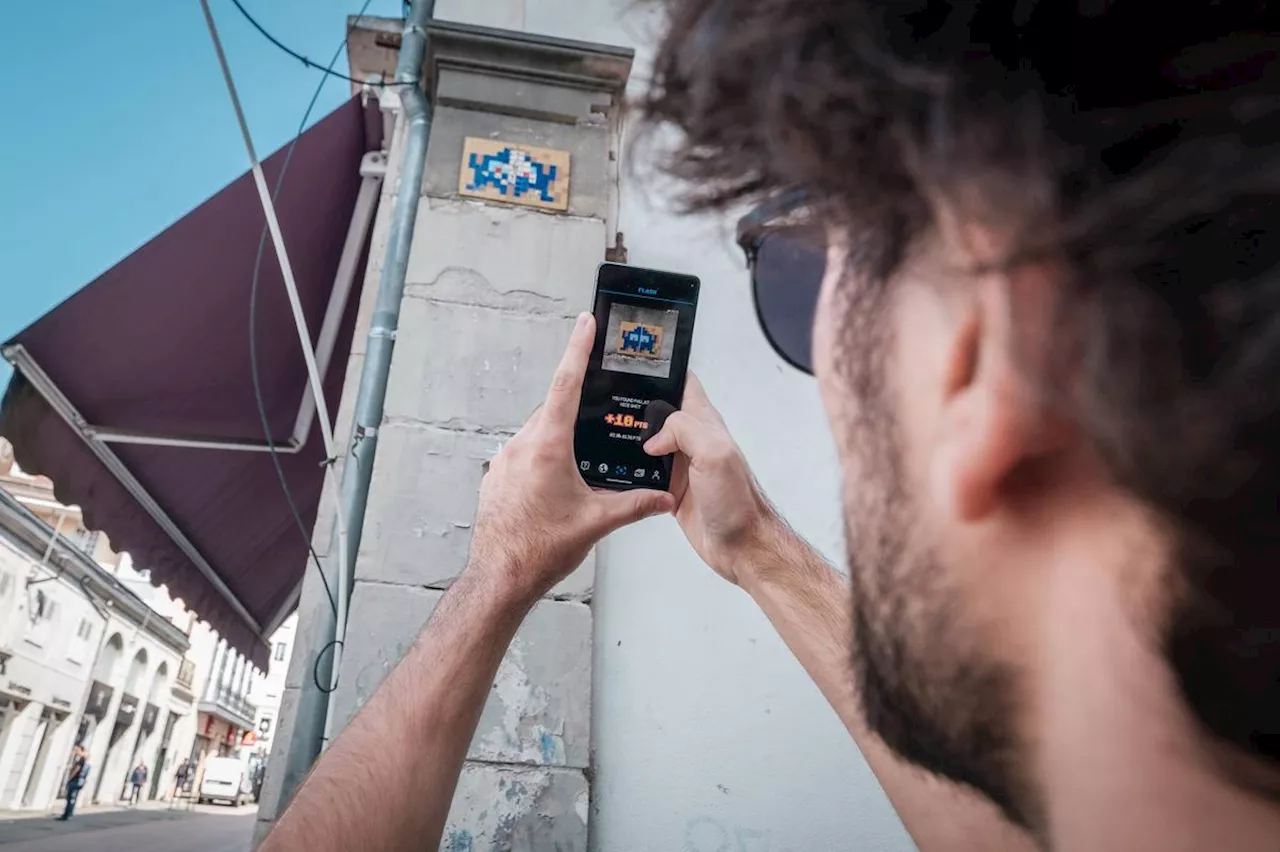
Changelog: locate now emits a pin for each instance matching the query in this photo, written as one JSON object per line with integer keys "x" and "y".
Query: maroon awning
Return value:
{"x": 160, "y": 344}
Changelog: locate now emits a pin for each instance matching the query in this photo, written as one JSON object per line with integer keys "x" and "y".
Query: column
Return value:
{"x": 492, "y": 293}
{"x": 494, "y": 285}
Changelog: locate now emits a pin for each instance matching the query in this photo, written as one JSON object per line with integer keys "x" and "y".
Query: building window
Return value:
{"x": 281, "y": 649}
{"x": 80, "y": 644}
{"x": 186, "y": 673}
{"x": 43, "y": 610}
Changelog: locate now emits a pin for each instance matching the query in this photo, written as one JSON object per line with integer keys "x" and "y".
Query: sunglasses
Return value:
{"x": 787, "y": 263}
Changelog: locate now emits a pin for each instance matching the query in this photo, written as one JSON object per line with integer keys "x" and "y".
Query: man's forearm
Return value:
{"x": 386, "y": 783}
{"x": 810, "y": 606}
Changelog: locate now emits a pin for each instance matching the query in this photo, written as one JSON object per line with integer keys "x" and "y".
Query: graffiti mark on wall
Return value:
{"x": 706, "y": 834}
{"x": 459, "y": 840}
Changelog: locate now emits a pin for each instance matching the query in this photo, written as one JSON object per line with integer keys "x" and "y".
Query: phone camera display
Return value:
{"x": 644, "y": 328}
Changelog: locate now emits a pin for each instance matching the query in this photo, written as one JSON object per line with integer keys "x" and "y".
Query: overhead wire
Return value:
{"x": 253, "y": 303}
{"x": 328, "y": 70}
{"x": 253, "y": 337}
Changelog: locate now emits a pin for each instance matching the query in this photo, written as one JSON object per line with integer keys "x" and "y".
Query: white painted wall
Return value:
{"x": 52, "y": 658}
{"x": 268, "y": 691}
{"x": 111, "y": 766}
{"x": 707, "y": 734}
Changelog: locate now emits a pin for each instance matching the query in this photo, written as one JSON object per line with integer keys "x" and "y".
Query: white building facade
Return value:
{"x": 91, "y": 653}
{"x": 268, "y": 691}
{"x": 226, "y": 717}
{"x": 49, "y": 634}
{"x": 85, "y": 661}
{"x": 131, "y": 705}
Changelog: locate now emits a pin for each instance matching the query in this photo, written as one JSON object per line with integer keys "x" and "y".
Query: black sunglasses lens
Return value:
{"x": 789, "y": 268}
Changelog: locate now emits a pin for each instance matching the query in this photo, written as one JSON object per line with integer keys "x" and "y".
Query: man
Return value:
{"x": 1048, "y": 343}
{"x": 138, "y": 777}
{"x": 77, "y": 775}
{"x": 180, "y": 777}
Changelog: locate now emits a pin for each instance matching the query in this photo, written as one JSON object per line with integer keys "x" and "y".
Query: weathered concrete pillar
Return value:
{"x": 503, "y": 259}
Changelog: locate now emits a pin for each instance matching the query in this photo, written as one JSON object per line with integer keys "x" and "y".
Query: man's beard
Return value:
{"x": 929, "y": 686}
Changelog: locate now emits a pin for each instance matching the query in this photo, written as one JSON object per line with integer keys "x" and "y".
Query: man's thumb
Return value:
{"x": 667, "y": 440}
{"x": 627, "y": 507}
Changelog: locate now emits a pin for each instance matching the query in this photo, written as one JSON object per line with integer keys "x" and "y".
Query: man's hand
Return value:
{"x": 718, "y": 504}
{"x": 537, "y": 517}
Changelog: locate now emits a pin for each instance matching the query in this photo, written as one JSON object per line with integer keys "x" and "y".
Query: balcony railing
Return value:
{"x": 237, "y": 703}
{"x": 232, "y": 706}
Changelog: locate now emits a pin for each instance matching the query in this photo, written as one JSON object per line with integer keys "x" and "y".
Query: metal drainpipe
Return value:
{"x": 372, "y": 393}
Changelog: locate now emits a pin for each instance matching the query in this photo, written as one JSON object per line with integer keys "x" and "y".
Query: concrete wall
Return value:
{"x": 707, "y": 734}
{"x": 490, "y": 297}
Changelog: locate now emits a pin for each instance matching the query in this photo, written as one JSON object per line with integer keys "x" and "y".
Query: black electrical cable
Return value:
{"x": 315, "y": 666}
{"x": 253, "y": 358}
{"x": 328, "y": 70}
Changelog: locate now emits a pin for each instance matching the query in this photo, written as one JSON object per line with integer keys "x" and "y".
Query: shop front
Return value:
{"x": 36, "y": 730}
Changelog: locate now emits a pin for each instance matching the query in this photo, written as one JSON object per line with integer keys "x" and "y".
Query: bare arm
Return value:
{"x": 387, "y": 782}
{"x": 740, "y": 536}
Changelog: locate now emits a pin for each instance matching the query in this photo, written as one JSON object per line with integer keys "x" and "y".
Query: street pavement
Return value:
{"x": 144, "y": 829}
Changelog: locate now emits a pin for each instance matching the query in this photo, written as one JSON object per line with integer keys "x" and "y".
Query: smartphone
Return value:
{"x": 644, "y": 329}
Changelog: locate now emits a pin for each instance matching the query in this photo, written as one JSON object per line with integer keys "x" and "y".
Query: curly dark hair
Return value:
{"x": 1137, "y": 139}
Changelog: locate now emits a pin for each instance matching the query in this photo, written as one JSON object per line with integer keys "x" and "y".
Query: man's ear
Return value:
{"x": 993, "y": 422}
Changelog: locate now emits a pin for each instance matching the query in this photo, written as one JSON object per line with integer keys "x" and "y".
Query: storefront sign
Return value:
{"x": 33, "y": 679}
{"x": 128, "y": 709}
{"x": 149, "y": 717}
{"x": 99, "y": 700}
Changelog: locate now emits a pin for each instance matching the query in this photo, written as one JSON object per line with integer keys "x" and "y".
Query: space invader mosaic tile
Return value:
{"x": 514, "y": 173}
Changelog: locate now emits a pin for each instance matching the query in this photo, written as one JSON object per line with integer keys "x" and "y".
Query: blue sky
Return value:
{"x": 118, "y": 122}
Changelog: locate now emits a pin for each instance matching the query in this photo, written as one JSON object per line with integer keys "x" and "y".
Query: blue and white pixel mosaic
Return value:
{"x": 512, "y": 172}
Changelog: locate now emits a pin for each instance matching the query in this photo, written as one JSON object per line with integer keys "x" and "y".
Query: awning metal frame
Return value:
{"x": 23, "y": 362}
{"x": 99, "y": 438}
{"x": 372, "y": 168}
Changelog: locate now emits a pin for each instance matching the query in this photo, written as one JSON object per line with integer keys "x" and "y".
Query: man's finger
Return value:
{"x": 655, "y": 417}
{"x": 561, "y": 407}
{"x": 696, "y": 401}
{"x": 681, "y": 433}
{"x": 534, "y": 416}
{"x": 617, "y": 509}
{"x": 695, "y": 395}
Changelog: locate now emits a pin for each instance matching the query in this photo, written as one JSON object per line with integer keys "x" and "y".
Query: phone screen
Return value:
{"x": 644, "y": 328}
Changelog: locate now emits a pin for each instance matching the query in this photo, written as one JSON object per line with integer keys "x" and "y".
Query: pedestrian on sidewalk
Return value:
{"x": 137, "y": 778}
{"x": 180, "y": 777}
{"x": 76, "y": 776}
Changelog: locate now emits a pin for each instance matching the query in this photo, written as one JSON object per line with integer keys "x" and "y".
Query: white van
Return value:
{"x": 224, "y": 780}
